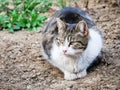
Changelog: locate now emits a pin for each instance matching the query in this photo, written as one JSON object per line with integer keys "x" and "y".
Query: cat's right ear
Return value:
{"x": 61, "y": 25}
{"x": 83, "y": 28}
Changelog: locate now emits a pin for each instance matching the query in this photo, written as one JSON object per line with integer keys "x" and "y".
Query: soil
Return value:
{"x": 22, "y": 66}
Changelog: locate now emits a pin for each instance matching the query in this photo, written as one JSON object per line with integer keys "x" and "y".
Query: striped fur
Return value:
{"x": 71, "y": 44}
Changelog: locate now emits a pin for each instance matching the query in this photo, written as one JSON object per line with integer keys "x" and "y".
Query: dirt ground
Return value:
{"x": 22, "y": 66}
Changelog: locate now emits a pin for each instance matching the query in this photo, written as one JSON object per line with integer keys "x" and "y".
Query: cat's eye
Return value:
{"x": 77, "y": 42}
{"x": 76, "y": 45}
{"x": 59, "y": 41}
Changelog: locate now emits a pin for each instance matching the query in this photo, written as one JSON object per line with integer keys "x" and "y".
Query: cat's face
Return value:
{"x": 72, "y": 39}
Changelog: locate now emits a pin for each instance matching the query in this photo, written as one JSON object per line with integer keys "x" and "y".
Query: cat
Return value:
{"x": 71, "y": 42}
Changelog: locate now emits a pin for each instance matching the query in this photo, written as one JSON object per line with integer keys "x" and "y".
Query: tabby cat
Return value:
{"x": 71, "y": 42}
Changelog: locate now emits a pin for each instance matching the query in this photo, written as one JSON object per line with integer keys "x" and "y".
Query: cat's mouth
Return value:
{"x": 66, "y": 54}
{"x": 71, "y": 55}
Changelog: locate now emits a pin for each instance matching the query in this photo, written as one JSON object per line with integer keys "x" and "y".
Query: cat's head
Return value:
{"x": 72, "y": 39}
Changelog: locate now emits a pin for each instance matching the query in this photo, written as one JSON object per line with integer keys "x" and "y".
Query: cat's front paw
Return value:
{"x": 70, "y": 76}
{"x": 82, "y": 74}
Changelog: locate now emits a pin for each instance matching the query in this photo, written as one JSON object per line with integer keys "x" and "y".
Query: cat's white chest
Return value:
{"x": 62, "y": 61}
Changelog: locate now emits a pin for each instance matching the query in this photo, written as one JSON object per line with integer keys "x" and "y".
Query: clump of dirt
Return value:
{"x": 22, "y": 66}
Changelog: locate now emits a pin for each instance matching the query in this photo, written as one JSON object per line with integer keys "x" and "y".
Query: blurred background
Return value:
{"x": 22, "y": 66}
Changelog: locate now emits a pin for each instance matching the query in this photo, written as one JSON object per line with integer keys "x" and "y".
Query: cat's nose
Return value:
{"x": 64, "y": 51}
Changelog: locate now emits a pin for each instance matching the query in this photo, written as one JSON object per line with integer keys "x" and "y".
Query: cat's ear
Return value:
{"x": 82, "y": 26}
{"x": 61, "y": 25}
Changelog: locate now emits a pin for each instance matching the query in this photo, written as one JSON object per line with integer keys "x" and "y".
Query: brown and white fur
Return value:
{"x": 72, "y": 47}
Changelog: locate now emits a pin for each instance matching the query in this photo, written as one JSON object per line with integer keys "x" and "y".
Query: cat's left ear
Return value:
{"x": 61, "y": 25}
{"x": 82, "y": 26}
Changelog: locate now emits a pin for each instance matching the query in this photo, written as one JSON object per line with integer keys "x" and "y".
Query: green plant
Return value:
{"x": 3, "y": 3}
{"x": 25, "y": 14}
{"x": 62, "y": 3}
